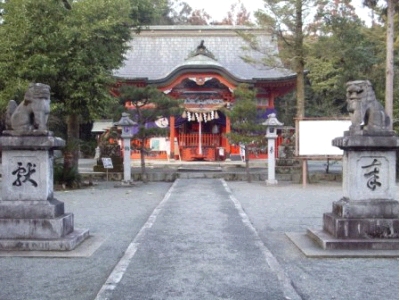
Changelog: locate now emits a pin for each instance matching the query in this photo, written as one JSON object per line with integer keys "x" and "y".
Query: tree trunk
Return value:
{"x": 246, "y": 158}
{"x": 299, "y": 60}
{"x": 142, "y": 161}
{"x": 389, "y": 61}
{"x": 72, "y": 149}
{"x": 70, "y": 176}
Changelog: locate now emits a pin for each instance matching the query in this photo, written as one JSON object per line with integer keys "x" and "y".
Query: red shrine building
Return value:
{"x": 203, "y": 65}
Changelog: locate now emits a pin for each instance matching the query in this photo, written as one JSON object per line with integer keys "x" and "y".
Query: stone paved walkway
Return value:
{"x": 198, "y": 247}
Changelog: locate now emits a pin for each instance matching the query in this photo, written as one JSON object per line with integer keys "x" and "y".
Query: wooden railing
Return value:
{"x": 192, "y": 139}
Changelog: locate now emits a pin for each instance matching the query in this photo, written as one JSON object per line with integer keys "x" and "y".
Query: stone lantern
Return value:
{"x": 272, "y": 124}
{"x": 127, "y": 126}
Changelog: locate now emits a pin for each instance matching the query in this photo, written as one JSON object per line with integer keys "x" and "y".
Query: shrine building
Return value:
{"x": 203, "y": 65}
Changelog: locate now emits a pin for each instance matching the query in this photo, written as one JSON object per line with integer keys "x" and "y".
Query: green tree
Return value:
{"x": 339, "y": 50}
{"x": 150, "y": 12}
{"x": 73, "y": 49}
{"x": 149, "y": 105}
{"x": 389, "y": 15}
{"x": 286, "y": 20}
{"x": 181, "y": 13}
{"x": 246, "y": 128}
{"x": 389, "y": 57}
{"x": 343, "y": 48}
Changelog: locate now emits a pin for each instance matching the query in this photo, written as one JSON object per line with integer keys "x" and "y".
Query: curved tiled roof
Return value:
{"x": 160, "y": 50}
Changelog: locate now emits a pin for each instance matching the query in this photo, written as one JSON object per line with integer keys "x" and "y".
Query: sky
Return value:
{"x": 218, "y": 8}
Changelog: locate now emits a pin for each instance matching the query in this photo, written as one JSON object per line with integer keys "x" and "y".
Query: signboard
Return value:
{"x": 107, "y": 163}
{"x": 315, "y": 136}
{"x": 159, "y": 144}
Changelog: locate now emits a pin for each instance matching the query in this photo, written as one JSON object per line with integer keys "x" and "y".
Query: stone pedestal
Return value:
{"x": 367, "y": 217}
{"x": 30, "y": 217}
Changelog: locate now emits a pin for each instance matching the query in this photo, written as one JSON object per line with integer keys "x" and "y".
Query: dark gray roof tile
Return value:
{"x": 159, "y": 50}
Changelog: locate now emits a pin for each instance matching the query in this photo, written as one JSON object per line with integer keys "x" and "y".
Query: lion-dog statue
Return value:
{"x": 366, "y": 113}
{"x": 31, "y": 115}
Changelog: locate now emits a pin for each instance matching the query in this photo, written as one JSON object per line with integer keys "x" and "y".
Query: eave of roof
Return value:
{"x": 160, "y": 52}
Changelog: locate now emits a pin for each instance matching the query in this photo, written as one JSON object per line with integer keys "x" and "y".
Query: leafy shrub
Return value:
{"x": 68, "y": 177}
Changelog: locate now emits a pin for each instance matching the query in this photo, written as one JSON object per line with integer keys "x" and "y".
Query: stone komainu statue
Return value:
{"x": 30, "y": 116}
{"x": 366, "y": 113}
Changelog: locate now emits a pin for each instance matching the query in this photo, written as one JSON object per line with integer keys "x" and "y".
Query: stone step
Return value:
{"x": 171, "y": 176}
{"x": 203, "y": 169}
{"x": 328, "y": 242}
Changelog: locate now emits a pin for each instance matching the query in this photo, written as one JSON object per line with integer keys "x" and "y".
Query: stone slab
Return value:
{"x": 85, "y": 249}
{"x": 346, "y": 228}
{"x": 37, "y": 228}
{"x": 196, "y": 168}
{"x": 369, "y": 175}
{"x": 384, "y": 140}
{"x": 31, "y": 142}
{"x": 311, "y": 249}
{"x": 366, "y": 209}
{"x": 31, "y": 209}
{"x": 66, "y": 243}
{"x": 27, "y": 175}
{"x": 327, "y": 241}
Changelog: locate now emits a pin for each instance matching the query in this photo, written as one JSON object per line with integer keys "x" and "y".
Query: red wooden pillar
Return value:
{"x": 271, "y": 101}
{"x": 227, "y": 130}
{"x": 172, "y": 136}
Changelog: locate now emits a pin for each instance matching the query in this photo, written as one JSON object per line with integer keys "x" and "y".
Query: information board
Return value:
{"x": 315, "y": 136}
{"x": 107, "y": 163}
{"x": 158, "y": 144}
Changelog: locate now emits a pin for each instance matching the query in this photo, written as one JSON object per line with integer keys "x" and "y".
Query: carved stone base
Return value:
{"x": 37, "y": 228}
{"x": 359, "y": 225}
{"x": 66, "y": 243}
{"x": 271, "y": 182}
{"x": 30, "y": 217}
{"x": 360, "y": 228}
{"x": 31, "y": 209}
{"x": 328, "y": 242}
{"x": 378, "y": 208}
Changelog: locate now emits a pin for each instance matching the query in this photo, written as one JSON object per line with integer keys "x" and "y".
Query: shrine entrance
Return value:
{"x": 200, "y": 136}
{"x": 206, "y": 81}
{"x": 200, "y": 130}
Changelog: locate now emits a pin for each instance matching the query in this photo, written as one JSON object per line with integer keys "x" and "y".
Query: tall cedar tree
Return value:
{"x": 389, "y": 13}
{"x": 246, "y": 127}
{"x": 338, "y": 51}
{"x": 343, "y": 48}
{"x": 150, "y": 12}
{"x": 285, "y": 19}
{"x": 149, "y": 104}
